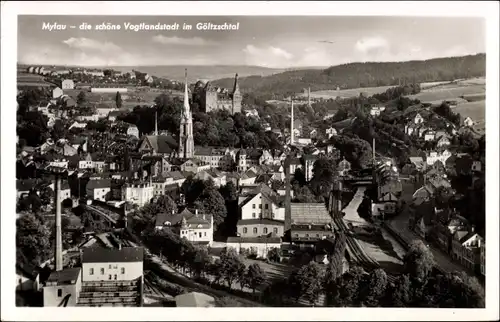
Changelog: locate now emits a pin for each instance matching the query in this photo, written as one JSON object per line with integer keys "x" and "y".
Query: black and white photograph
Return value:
{"x": 238, "y": 158}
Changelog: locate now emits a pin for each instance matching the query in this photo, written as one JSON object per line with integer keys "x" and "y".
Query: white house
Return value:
{"x": 195, "y": 166}
{"x": 197, "y": 227}
{"x": 63, "y": 288}
{"x": 418, "y": 119}
{"x": 99, "y": 189}
{"x": 443, "y": 141}
{"x": 468, "y": 122}
{"x": 261, "y": 205}
{"x": 138, "y": 194}
{"x": 78, "y": 125}
{"x": 133, "y": 131}
{"x": 330, "y": 132}
{"x": 429, "y": 135}
{"x": 258, "y": 245}
{"x": 68, "y": 84}
{"x": 57, "y": 92}
{"x": 432, "y": 157}
{"x": 102, "y": 264}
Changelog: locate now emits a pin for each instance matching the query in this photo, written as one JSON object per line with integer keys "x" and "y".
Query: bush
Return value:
{"x": 252, "y": 254}
{"x": 273, "y": 255}
{"x": 244, "y": 252}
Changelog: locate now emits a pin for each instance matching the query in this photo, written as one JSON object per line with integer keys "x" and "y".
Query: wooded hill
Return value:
{"x": 356, "y": 75}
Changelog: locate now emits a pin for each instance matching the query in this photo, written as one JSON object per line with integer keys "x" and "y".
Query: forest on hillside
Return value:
{"x": 356, "y": 75}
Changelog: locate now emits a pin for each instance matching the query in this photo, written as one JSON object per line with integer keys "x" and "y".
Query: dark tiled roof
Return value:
{"x": 66, "y": 276}
{"x": 162, "y": 143}
{"x": 176, "y": 175}
{"x": 309, "y": 213}
{"x": 25, "y": 185}
{"x": 264, "y": 221}
{"x": 103, "y": 255}
{"x": 99, "y": 184}
{"x": 254, "y": 240}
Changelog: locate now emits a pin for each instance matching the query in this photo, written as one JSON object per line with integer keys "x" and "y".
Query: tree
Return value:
{"x": 211, "y": 202}
{"x": 324, "y": 174}
{"x": 231, "y": 265}
{"x": 304, "y": 195}
{"x": 309, "y": 281}
{"x": 201, "y": 262}
{"x": 401, "y": 293}
{"x": 118, "y": 100}
{"x": 273, "y": 255}
{"x": 418, "y": 261}
{"x": 33, "y": 239}
{"x": 81, "y": 99}
{"x": 345, "y": 291}
{"x": 229, "y": 191}
{"x": 373, "y": 288}
{"x": 255, "y": 276}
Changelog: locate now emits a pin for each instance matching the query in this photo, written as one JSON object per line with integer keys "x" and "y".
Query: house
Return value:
{"x": 434, "y": 156}
{"x": 156, "y": 165}
{"x": 466, "y": 248}
{"x": 418, "y": 162}
{"x": 177, "y": 177}
{"x": 418, "y": 119}
{"x": 424, "y": 219}
{"x": 257, "y": 245}
{"x": 68, "y": 84}
{"x": 113, "y": 115}
{"x": 443, "y": 141}
{"x": 103, "y": 110}
{"x": 476, "y": 166}
{"x": 468, "y": 122}
{"x": 423, "y": 194}
{"x": 307, "y": 235}
{"x": 194, "y": 299}
{"x": 57, "y": 92}
{"x": 313, "y": 133}
{"x": 137, "y": 193}
{"x": 260, "y": 227}
{"x": 309, "y": 160}
{"x": 344, "y": 167}
{"x": 63, "y": 288}
{"x": 221, "y": 158}
{"x": 217, "y": 177}
{"x": 132, "y": 130}
{"x": 429, "y": 135}
{"x": 78, "y": 125}
{"x": 252, "y": 112}
{"x": 331, "y": 131}
{"x": 294, "y": 165}
{"x": 99, "y": 189}
{"x": 66, "y": 101}
{"x": 27, "y": 277}
{"x": 393, "y": 187}
{"x": 262, "y": 202}
{"x": 247, "y": 178}
{"x": 158, "y": 144}
{"x": 195, "y": 227}
{"x": 195, "y": 166}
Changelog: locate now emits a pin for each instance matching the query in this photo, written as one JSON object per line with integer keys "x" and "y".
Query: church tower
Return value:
{"x": 236, "y": 97}
{"x": 186, "y": 141}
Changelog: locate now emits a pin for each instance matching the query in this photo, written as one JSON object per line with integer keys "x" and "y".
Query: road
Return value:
{"x": 443, "y": 260}
{"x": 351, "y": 210}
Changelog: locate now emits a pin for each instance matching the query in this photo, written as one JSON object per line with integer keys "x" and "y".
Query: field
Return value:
{"x": 346, "y": 93}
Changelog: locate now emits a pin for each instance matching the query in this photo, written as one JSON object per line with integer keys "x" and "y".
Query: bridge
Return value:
{"x": 107, "y": 215}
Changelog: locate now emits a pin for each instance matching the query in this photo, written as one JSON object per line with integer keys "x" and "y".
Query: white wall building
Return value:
{"x": 68, "y": 84}
{"x": 138, "y": 194}
{"x": 101, "y": 264}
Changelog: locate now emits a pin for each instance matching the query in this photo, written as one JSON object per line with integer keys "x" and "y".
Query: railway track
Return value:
{"x": 361, "y": 258}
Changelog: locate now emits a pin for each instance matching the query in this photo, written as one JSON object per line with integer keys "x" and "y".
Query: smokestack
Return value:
{"x": 309, "y": 97}
{"x": 288, "y": 199}
{"x": 156, "y": 122}
{"x": 58, "y": 251}
{"x": 291, "y": 122}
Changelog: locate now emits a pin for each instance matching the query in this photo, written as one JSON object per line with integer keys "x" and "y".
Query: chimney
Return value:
{"x": 196, "y": 212}
{"x": 58, "y": 251}
{"x": 173, "y": 212}
{"x": 288, "y": 199}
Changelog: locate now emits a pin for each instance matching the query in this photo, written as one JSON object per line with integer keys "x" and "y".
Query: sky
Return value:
{"x": 266, "y": 41}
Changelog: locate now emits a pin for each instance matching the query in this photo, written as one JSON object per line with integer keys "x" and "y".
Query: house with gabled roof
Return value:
{"x": 192, "y": 225}
{"x": 195, "y": 166}
{"x": 466, "y": 248}
{"x": 158, "y": 144}
{"x": 247, "y": 178}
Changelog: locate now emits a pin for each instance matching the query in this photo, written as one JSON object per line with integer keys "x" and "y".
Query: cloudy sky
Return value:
{"x": 278, "y": 42}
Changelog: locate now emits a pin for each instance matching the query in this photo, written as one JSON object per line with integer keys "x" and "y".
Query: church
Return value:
{"x": 217, "y": 98}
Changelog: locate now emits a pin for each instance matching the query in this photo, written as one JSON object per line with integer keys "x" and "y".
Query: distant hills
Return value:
{"x": 355, "y": 75}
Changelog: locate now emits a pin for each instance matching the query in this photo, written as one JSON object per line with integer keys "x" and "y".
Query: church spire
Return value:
{"x": 291, "y": 122}
{"x": 186, "y": 95}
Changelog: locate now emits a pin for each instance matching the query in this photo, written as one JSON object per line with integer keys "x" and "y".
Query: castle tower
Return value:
{"x": 236, "y": 97}
{"x": 186, "y": 141}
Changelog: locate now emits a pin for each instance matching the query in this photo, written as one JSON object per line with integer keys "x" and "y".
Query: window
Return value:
{"x": 266, "y": 206}
{"x": 91, "y": 271}
{"x": 265, "y": 230}
{"x": 59, "y": 292}
{"x": 109, "y": 276}
{"x": 102, "y": 271}
{"x": 245, "y": 230}
{"x": 253, "y": 206}
{"x": 260, "y": 206}
{"x": 110, "y": 266}
{"x": 275, "y": 230}
{"x": 115, "y": 277}
{"x": 255, "y": 230}
{"x": 199, "y": 235}
{"x": 205, "y": 234}
{"x": 307, "y": 235}
{"x": 253, "y": 214}
{"x": 123, "y": 270}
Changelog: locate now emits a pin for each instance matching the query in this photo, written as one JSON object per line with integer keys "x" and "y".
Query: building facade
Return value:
{"x": 139, "y": 194}
{"x": 216, "y": 98}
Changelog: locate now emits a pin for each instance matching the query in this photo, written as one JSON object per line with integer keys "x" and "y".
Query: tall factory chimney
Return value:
{"x": 288, "y": 198}
{"x": 291, "y": 122}
{"x": 58, "y": 251}
{"x": 309, "y": 97}
{"x": 156, "y": 122}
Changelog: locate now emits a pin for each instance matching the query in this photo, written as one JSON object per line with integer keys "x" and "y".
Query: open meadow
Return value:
{"x": 346, "y": 93}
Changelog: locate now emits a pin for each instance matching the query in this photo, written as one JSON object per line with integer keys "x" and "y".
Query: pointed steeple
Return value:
{"x": 186, "y": 111}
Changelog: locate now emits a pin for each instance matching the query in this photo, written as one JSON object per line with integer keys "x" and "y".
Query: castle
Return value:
{"x": 216, "y": 98}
